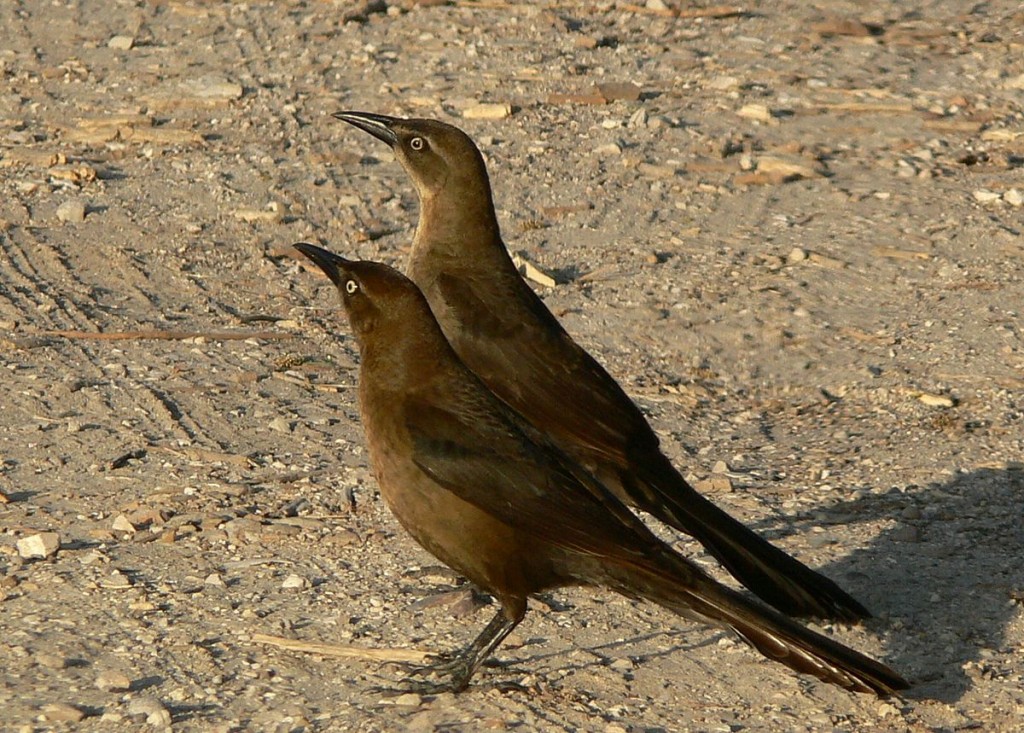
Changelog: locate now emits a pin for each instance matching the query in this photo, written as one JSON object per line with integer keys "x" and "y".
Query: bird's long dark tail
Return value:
{"x": 685, "y": 590}
{"x": 777, "y": 578}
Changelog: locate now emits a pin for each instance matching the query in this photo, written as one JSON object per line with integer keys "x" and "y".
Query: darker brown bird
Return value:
{"x": 485, "y": 493}
{"x": 506, "y": 335}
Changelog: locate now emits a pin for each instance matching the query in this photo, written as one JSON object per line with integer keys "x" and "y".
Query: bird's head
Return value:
{"x": 374, "y": 295}
{"x": 440, "y": 158}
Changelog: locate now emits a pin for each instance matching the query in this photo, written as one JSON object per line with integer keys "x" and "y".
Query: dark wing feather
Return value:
{"x": 536, "y": 367}
{"x": 481, "y": 452}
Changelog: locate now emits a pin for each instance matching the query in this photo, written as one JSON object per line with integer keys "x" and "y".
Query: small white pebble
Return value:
{"x": 294, "y": 581}
{"x": 121, "y": 43}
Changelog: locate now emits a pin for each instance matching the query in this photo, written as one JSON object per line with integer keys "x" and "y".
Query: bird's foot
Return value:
{"x": 453, "y": 671}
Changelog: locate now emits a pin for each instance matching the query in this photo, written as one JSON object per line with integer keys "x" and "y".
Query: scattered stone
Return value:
{"x": 76, "y": 174}
{"x": 214, "y": 579}
{"x": 303, "y": 523}
{"x": 906, "y": 533}
{"x": 820, "y": 539}
{"x": 281, "y": 425}
{"x": 72, "y": 211}
{"x": 121, "y": 523}
{"x": 487, "y": 111}
{"x": 755, "y": 112}
{"x": 1014, "y": 197}
{"x": 116, "y": 581}
{"x": 796, "y": 255}
{"x": 558, "y": 212}
{"x": 755, "y": 179}
{"x": 272, "y": 213}
{"x": 409, "y": 699}
{"x": 62, "y": 712}
{"x": 121, "y": 43}
{"x": 39, "y": 545}
{"x": 843, "y": 27}
{"x": 111, "y": 681}
{"x": 1015, "y": 82}
{"x": 657, "y": 170}
{"x": 717, "y": 483}
{"x": 152, "y": 710}
{"x": 784, "y": 171}
{"x": 212, "y": 88}
{"x": 721, "y": 484}
{"x": 293, "y": 582}
{"x": 532, "y": 272}
{"x": 911, "y": 512}
{"x": 886, "y": 709}
{"x": 51, "y": 661}
{"x": 243, "y": 529}
{"x": 936, "y": 400}
{"x": 600, "y": 94}
{"x": 624, "y": 664}
{"x": 638, "y": 118}
{"x": 618, "y": 91}
{"x": 986, "y": 197}
{"x": 146, "y": 517}
{"x": 592, "y": 98}
{"x": 607, "y": 151}
{"x": 722, "y": 83}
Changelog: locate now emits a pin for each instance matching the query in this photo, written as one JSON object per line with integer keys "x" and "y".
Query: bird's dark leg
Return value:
{"x": 460, "y": 667}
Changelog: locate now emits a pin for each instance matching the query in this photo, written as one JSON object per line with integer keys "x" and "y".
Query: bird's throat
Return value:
{"x": 448, "y": 227}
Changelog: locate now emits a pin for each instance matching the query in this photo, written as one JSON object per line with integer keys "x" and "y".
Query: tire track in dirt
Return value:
{"x": 33, "y": 276}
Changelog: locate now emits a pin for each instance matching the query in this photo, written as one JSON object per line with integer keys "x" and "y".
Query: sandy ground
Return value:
{"x": 797, "y": 242}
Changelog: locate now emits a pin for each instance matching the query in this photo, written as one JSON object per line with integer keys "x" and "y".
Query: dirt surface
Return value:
{"x": 797, "y": 242}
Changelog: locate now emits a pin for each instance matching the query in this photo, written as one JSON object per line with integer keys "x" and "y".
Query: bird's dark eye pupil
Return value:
{"x": 417, "y": 143}
{"x": 351, "y": 286}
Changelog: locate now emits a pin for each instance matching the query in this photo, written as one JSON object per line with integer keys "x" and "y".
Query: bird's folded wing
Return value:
{"x": 535, "y": 366}
{"x": 487, "y": 459}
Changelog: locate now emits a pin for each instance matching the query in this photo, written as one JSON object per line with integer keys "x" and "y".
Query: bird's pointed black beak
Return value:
{"x": 333, "y": 266}
{"x": 380, "y": 126}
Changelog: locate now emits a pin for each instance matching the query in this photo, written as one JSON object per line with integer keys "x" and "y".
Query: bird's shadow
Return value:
{"x": 948, "y": 574}
{"x": 945, "y": 579}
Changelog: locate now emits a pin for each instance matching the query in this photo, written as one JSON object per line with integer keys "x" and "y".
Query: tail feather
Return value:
{"x": 810, "y": 653}
{"x": 774, "y": 576}
{"x": 683, "y": 589}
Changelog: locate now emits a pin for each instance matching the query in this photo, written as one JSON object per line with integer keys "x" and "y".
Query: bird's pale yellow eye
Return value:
{"x": 417, "y": 143}
{"x": 351, "y": 286}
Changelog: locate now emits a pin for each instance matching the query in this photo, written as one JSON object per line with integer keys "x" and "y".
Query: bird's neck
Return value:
{"x": 463, "y": 226}
{"x": 403, "y": 358}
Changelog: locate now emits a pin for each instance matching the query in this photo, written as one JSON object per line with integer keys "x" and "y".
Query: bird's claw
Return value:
{"x": 453, "y": 673}
{"x": 440, "y": 664}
